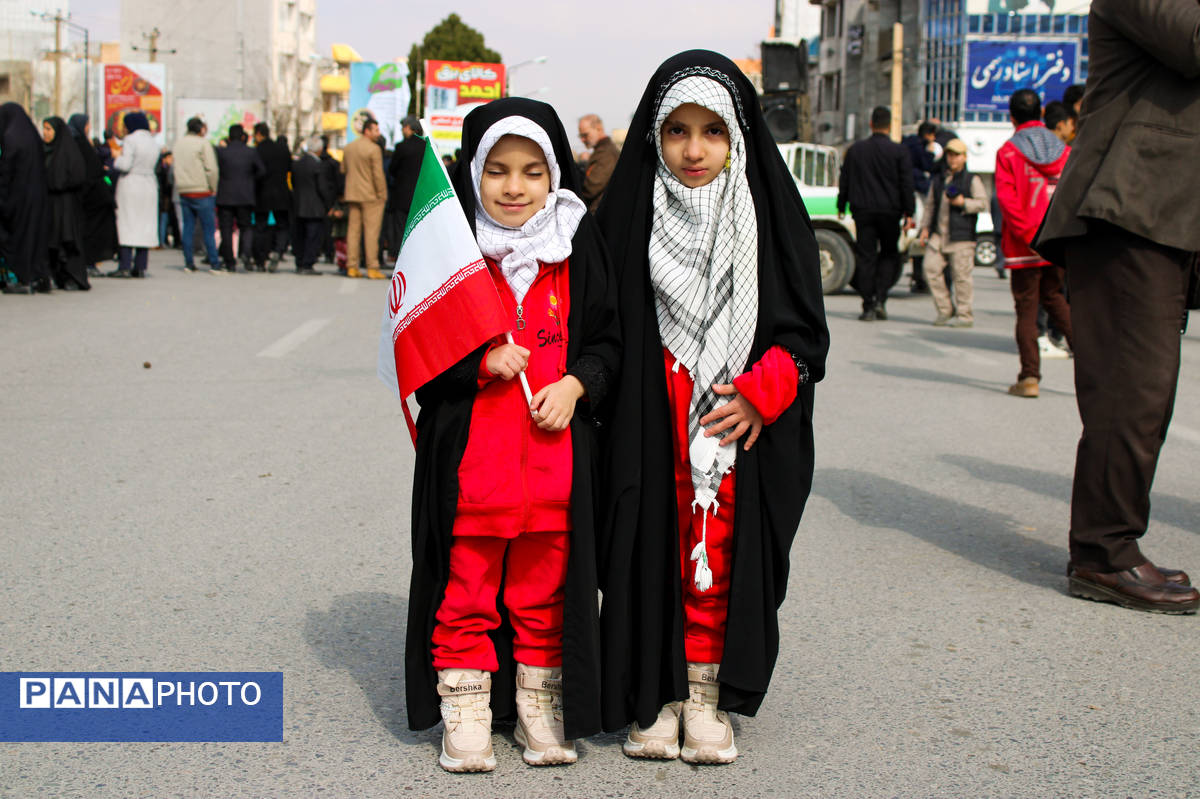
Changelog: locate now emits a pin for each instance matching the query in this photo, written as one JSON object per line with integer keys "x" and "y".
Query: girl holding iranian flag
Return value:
{"x": 711, "y": 462}
{"x": 504, "y": 497}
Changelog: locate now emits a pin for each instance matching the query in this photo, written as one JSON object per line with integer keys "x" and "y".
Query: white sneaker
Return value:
{"x": 540, "y": 717}
{"x": 707, "y": 733}
{"x": 1048, "y": 349}
{"x": 660, "y": 740}
{"x": 467, "y": 716}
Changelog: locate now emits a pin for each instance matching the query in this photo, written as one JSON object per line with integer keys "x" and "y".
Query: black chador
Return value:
{"x": 642, "y": 619}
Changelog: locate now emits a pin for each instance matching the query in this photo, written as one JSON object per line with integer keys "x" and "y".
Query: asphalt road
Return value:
{"x": 242, "y": 504}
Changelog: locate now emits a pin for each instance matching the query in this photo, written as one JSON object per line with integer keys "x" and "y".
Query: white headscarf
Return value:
{"x": 546, "y": 236}
{"x": 704, "y": 269}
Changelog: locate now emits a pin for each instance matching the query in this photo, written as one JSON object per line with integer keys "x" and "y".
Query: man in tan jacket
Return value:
{"x": 366, "y": 196}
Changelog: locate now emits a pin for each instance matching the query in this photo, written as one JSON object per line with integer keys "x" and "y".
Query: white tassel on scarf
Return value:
{"x": 703, "y": 575}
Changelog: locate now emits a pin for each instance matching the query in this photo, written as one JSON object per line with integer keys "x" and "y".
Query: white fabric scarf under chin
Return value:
{"x": 704, "y": 269}
{"x": 546, "y": 236}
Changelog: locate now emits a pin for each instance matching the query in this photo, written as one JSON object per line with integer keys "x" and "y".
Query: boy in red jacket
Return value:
{"x": 1027, "y": 170}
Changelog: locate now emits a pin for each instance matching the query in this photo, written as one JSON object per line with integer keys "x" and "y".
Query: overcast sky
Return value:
{"x": 599, "y": 54}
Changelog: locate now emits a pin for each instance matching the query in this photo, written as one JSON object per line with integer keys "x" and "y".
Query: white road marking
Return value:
{"x": 294, "y": 339}
{"x": 1186, "y": 433}
{"x": 349, "y": 286}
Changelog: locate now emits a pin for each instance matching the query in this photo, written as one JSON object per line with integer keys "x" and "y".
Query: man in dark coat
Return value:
{"x": 240, "y": 168}
{"x": 334, "y": 168}
{"x": 877, "y": 184}
{"x": 314, "y": 192}
{"x": 403, "y": 170}
{"x": 1123, "y": 222}
{"x": 273, "y": 200}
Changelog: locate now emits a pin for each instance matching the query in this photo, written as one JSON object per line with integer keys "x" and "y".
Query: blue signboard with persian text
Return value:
{"x": 998, "y": 67}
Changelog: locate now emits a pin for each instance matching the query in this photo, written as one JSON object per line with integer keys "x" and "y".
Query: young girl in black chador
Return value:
{"x": 504, "y": 498}
{"x": 711, "y": 454}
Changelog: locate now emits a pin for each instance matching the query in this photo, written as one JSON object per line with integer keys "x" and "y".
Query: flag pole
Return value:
{"x": 524, "y": 380}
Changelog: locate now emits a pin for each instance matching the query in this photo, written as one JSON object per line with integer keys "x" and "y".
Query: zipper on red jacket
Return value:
{"x": 526, "y": 420}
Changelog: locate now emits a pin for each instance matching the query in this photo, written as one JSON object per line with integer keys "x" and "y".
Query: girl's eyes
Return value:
{"x": 676, "y": 130}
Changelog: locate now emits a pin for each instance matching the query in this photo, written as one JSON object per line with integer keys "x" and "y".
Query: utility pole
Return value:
{"x": 57, "y": 53}
{"x": 897, "y": 79}
{"x": 153, "y": 49}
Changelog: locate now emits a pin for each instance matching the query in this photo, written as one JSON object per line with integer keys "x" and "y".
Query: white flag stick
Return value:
{"x": 524, "y": 380}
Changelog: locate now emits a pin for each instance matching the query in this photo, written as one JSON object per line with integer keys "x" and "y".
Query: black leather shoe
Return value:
{"x": 868, "y": 315}
{"x": 1140, "y": 588}
{"x": 881, "y": 312}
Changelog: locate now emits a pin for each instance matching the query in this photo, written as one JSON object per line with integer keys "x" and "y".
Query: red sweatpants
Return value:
{"x": 534, "y": 569}
{"x": 703, "y": 612}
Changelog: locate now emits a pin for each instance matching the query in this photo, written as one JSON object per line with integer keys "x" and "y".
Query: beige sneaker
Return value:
{"x": 540, "y": 717}
{"x": 1025, "y": 388}
{"x": 660, "y": 740}
{"x": 707, "y": 733}
{"x": 467, "y": 715}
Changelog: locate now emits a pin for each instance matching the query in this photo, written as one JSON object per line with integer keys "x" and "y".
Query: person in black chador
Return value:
{"x": 553, "y": 262}
{"x": 724, "y": 333}
{"x": 65, "y": 175}
{"x": 22, "y": 202}
{"x": 100, "y": 220}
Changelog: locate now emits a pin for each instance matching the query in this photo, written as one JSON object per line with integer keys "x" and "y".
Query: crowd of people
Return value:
{"x": 71, "y": 203}
{"x": 923, "y": 183}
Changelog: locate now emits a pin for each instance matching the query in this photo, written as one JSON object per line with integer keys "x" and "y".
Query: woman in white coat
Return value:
{"x": 137, "y": 196}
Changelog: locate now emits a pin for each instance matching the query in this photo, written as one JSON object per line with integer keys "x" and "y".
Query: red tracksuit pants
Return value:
{"x": 533, "y": 567}
{"x": 704, "y": 612}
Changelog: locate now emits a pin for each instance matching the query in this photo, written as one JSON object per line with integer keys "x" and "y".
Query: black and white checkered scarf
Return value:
{"x": 546, "y": 237}
{"x": 704, "y": 269}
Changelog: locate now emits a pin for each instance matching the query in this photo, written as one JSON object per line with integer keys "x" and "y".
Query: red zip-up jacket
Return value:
{"x": 515, "y": 477}
{"x": 1024, "y": 187}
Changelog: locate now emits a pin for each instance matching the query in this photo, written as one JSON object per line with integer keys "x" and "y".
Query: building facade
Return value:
{"x": 961, "y": 60}
{"x": 263, "y": 50}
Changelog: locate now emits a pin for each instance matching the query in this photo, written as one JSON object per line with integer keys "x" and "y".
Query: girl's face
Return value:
{"x": 695, "y": 142}
{"x": 515, "y": 180}
{"x": 47, "y": 132}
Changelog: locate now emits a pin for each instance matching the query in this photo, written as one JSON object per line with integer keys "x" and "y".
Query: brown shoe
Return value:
{"x": 1025, "y": 388}
{"x": 1140, "y": 588}
{"x": 1175, "y": 576}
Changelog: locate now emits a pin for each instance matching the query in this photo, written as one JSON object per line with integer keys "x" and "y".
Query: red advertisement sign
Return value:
{"x": 133, "y": 87}
{"x": 449, "y": 84}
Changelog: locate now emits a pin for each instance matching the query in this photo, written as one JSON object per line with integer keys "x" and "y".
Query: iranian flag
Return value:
{"x": 442, "y": 303}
